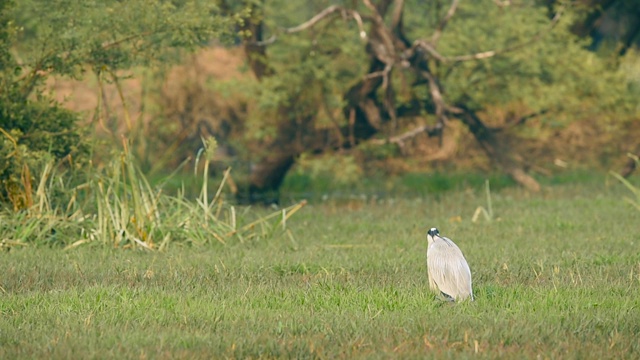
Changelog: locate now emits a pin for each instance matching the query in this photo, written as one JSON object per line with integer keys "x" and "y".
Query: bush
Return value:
{"x": 33, "y": 129}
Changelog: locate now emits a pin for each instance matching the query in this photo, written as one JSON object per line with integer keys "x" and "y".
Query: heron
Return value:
{"x": 448, "y": 270}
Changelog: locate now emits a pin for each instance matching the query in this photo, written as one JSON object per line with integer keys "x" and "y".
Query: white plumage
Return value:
{"x": 448, "y": 270}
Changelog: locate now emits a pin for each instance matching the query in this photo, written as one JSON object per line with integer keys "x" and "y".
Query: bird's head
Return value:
{"x": 433, "y": 232}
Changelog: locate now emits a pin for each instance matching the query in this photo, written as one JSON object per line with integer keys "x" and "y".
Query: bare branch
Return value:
{"x": 396, "y": 19}
{"x": 314, "y": 20}
{"x": 269, "y": 41}
{"x": 358, "y": 19}
{"x": 108, "y": 45}
{"x": 484, "y": 54}
{"x": 383, "y": 34}
{"x": 352, "y": 125}
{"x": 333, "y": 9}
{"x": 371, "y": 7}
{"x": 382, "y": 73}
{"x": 425, "y": 46}
{"x": 436, "y": 95}
{"x": 536, "y": 37}
{"x": 375, "y": 74}
{"x": 429, "y": 47}
{"x": 430, "y": 130}
{"x": 521, "y": 120}
{"x": 397, "y": 25}
{"x": 443, "y": 23}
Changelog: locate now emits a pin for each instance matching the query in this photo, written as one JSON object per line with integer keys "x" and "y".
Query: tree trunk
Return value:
{"x": 630, "y": 166}
{"x": 495, "y": 148}
{"x": 268, "y": 174}
{"x": 252, "y": 29}
{"x": 361, "y": 108}
{"x": 369, "y": 104}
{"x": 267, "y": 177}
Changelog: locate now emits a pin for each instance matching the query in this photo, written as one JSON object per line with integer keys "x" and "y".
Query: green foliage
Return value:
{"x": 40, "y": 39}
{"x": 317, "y": 179}
{"x": 316, "y": 176}
{"x": 547, "y": 69}
{"x": 33, "y": 130}
{"x": 379, "y": 151}
{"x": 630, "y": 67}
{"x": 553, "y": 70}
{"x": 312, "y": 70}
{"x": 556, "y": 277}
{"x": 64, "y": 36}
{"x": 117, "y": 207}
{"x": 343, "y": 170}
{"x": 6, "y": 30}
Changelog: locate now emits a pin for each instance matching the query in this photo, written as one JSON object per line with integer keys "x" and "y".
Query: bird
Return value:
{"x": 447, "y": 268}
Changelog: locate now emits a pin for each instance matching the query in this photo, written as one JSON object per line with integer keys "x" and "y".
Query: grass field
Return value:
{"x": 556, "y": 275}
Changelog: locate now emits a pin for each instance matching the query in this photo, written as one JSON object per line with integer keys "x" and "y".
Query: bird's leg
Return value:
{"x": 447, "y": 297}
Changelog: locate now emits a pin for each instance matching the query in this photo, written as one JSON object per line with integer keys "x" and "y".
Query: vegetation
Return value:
{"x": 41, "y": 39}
{"x": 117, "y": 207}
{"x": 99, "y": 261}
{"x": 33, "y": 130}
{"x": 393, "y": 71}
{"x": 370, "y": 80}
{"x": 555, "y": 276}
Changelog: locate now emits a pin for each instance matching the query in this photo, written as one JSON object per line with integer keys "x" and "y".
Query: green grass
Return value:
{"x": 556, "y": 275}
{"x": 419, "y": 184}
{"x": 409, "y": 184}
{"x": 116, "y": 205}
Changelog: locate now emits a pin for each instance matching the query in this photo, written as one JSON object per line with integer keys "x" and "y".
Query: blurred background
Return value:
{"x": 309, "y": 98}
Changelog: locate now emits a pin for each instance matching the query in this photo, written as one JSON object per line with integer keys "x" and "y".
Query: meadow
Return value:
{"x": 556, "y": 275}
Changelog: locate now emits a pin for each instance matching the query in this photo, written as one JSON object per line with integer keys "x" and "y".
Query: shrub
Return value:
{"x": 33, "y": 129}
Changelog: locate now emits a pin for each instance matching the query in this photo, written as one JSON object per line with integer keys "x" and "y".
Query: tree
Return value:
{"x": 33, "y": 130}
{"x": 614, "y": 28}
{"x": 71, "y": 38}
{"x": 338, "y": 76}
{"x": 446, "y": 62}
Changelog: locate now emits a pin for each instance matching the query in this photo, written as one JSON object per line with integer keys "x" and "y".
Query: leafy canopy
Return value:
{"x": 41, "y": 38}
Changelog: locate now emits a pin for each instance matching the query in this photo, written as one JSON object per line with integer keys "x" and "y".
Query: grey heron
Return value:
{"x": 448, "y": 270}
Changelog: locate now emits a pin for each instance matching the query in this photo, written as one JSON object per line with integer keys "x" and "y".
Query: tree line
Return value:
{"x": 327, "y": 75}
